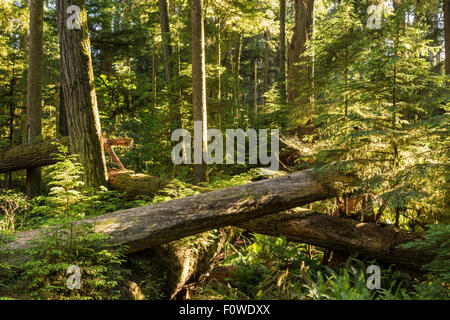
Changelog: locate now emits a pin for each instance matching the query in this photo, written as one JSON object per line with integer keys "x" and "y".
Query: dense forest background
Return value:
{"x": 368, "y": 102}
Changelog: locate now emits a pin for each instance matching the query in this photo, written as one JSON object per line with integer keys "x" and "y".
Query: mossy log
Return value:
{"x": 347, "y": 235}
{"x": 30, "y": 156}
{"x": 42, "y": 154}
{"x": 149, "y": 226}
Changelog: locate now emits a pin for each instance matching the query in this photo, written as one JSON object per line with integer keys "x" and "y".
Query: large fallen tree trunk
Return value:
{"x": 43, "y": 154}
{"x": 30, "y": 156}
{"x": 347, "y": 235}
{"x": 145, "y": 227}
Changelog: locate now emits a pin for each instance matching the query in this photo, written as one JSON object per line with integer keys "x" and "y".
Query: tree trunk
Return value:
{"x": 166, "y": 39}
{"x": 79, "y": 95}
{"x": 282, "y": 76}
{"x": 145, "y": 227}
{"x": 154, "y": 74}
{"x": 237, "y": 72}
{"x": 300, "y": 76}
{"x": 199, "y": 85}
{"x": 347, "y": 235}
{"x": 30, "y": 156}
{"x": 255, "y": 93}
{"x": 63, "y": 129}
{"x": 266, "y": 62}
{"x": 34, "y": 97}
{"x": 219, "y": 60}
{"x": 447, "y": 35}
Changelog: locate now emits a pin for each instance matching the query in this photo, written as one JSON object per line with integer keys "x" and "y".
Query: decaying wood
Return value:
{"x": 347, "y": 235}
{"x": 28, "y": 156}
{"x": 42, "y": 154}
{"x": 136, "y": 184}
{"x": 145, "y": 227}
{"x": 177, "y": 262}
{"x": 109, "y": 143}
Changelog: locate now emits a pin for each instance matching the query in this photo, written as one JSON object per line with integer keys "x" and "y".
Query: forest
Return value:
{"x": 224, "y": 150}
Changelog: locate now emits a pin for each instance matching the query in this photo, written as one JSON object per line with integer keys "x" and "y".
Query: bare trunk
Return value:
{"x": 447, "y": 35}
{"x": 79, "y": 95}
{"x": 154, "y": 74}
{"x": 166, "y": 39}
{"x": 199, "y": 83}
{"x": 237, "y": 71}
{"x": 34, "y": 99}
{"x": 282, "y": 79}
{"x": 255, "y": 93}
{"x": 300, "y": 75}
{"x": 266, "y": 61}
{"x": 219, "y": 61}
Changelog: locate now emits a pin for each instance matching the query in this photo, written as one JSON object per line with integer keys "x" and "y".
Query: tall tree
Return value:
{"x": 199, "y": 83}
{"x": 237, "y": 67}
{"x": 166, "y": 39}
{"x": 79, "y": 91}
{"x": 300, "y": 75}
{"x": 266, "y": 60}
{"x": 283, "y": 50}
{"x": 447, "y": 35}
{"x": 34, "y": 98}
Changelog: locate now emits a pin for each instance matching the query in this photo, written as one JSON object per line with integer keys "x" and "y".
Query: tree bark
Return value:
{"x": 237, "y": 72}
{"x": 199, "y": 83}
{"x": 219, "y": 60}
{"x": 300, "y": 76}
{"x": 79, "y": 95}
{"x": 282, "y": 75}
{"x": 145, "y": 227}
{"x": 255, "y": 91}
{"x": 166, "y": 39}
{"x": 63, "y": 129}
{"x": 34, "y": 96}
{"x": 351, "y": 236}
{"x": 266, "y": 61}
{"x": 30, "y": 156}
{"x": 447, "y": 35}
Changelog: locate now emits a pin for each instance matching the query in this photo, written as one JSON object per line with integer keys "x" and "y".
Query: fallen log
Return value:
{"x": 42, "y": 154}
{"x": 351, "y": 236}
{"x": 30, "y": 156}
{"x": 149, "y": 226}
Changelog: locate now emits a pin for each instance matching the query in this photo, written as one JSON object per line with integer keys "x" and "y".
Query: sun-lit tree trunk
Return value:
{"x": 154, "y": 75}
{"x": 79, "y": 94}
{"x": 300, "y": 76}
{"x": 282, "y": 75}
{"x": 219, "y": 60}
{"x": 266, "y": 61}
{"x": 237, "y": 70}
{"x": 255, "y": 94}
{"x": 34, "y": 96}
{"x": 199, "y": 82}
{"x": 447, "y": 35}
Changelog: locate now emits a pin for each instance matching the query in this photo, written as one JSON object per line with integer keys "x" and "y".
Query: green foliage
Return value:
{"x": 71, "y": 243}
{"x": 437, "y": 241}
{"x": 46, "y": 276}
{"x": 381, "y": 111}
{"x": 271, "y": 268}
